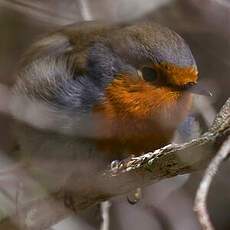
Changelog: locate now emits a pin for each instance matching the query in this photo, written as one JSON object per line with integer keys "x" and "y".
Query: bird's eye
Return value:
{"x": 149, "y": 74}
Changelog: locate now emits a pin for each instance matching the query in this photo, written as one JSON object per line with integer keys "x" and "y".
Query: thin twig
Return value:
{"x": 222, "y": 3}
{"x": 40, "y": 10}
{"x": 200, "y": 205}
{"x": 85, "y": 10}
{"x": 204, "y": 107}
{"x": 105, "y": 207}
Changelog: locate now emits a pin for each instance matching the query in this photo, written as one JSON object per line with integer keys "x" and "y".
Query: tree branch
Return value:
{"x": 200, "y": 201}
{"x": 79, "y": 193}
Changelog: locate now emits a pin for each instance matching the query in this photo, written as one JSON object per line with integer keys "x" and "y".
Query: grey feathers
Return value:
{"x": 150, "y": 42}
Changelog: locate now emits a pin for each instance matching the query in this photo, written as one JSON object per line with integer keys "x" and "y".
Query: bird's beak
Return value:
{"x": 199, "y": 89}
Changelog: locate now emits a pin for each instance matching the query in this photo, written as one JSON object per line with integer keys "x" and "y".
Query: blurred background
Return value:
{"x": 205, "y": 26}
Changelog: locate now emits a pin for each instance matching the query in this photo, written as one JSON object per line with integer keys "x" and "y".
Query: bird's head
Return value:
{"x": 153, "y": 73}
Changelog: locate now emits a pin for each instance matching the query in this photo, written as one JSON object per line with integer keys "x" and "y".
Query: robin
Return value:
{"x": 95, "y": 90}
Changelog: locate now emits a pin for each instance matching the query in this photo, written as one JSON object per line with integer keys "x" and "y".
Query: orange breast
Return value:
{"x": 137, "y": 117}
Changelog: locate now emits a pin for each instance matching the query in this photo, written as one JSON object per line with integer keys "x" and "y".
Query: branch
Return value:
{"x": 79, "y": 193}
{"x": 85, "y": 10}
{"x": 105, "y": 206}
{"x": 202, "y": 193}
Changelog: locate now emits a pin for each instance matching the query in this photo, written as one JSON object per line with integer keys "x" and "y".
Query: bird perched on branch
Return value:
{"x": 96, "y": 91}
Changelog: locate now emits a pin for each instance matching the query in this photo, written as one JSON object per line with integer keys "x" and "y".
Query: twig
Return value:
{"x": 40, "y": 10}
{"x": 222, "y": 3}
{"x": 105, "y": 206}
{"x": 204, "y": 107}
{"x": 85, "y": 10}
{"x": 200, "y": 205}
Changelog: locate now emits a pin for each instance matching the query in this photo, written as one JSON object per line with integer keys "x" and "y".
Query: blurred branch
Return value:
{"x": 44, "y": 12}
{"x": 222, "y": 2}
{"x": 78, "y": 193}
{"x": 203, "y": 106}
{"x": 85, "y": 11}
{"x": 105, "y": 206}
{"x": 200, "y": 201}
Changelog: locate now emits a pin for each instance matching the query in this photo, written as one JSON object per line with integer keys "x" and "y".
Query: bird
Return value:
{"x": 99, "y": 92}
